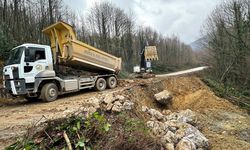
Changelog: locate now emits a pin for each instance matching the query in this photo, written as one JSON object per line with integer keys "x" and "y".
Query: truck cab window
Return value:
{"x": 39, "y": 54}
{"x": 33, "y": 54}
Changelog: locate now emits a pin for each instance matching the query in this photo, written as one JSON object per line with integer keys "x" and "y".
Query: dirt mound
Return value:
{"x": 218, "y": 119}
{"x": 192, "y": 93}
{"x": 200, "y": 100}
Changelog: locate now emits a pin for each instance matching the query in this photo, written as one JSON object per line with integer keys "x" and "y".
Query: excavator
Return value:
{"x": 32, "y": 69}
{"x": 147, "y": 55}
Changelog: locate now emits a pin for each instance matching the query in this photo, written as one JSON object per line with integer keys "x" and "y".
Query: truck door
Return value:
{"x": 34, "y": 63}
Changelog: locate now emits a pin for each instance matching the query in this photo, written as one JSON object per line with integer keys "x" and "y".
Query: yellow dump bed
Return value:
{"x": 72, "y": 52}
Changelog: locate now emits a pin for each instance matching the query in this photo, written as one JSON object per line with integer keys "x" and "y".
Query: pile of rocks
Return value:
{"x": 175, "y": 130}
{"x": 117, "y": 103}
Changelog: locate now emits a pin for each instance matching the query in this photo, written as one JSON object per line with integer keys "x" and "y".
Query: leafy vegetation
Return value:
{"x": 98, "y": 131}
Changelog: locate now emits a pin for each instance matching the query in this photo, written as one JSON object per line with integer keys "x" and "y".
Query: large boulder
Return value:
{"x": 193, "y": 134}
{"x": 163, "y": 97}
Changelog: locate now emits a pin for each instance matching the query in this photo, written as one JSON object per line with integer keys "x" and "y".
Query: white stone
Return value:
{"x": 117, "y": 107}
{"x": 169, "y": 146}
{"x": 163, "y": 97}
{"x": 109, "y": 98}
{"x": 109, "y": 106}
{"x": 128, "y": 105}
{"x": 155, "y": 114}
{"x": 144, "y": 108}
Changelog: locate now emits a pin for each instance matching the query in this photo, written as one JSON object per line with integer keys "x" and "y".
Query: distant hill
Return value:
{"x": 198, "y": 44}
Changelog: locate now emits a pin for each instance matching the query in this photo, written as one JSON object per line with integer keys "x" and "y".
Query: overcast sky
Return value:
{"x": 183, "y": 18}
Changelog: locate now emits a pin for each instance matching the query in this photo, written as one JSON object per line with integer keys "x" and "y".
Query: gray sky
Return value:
{"x": 183, "y": 18}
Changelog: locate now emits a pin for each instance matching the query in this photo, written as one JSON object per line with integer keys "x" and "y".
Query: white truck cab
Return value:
{"x": 26, "y": 63}
{"x": 29, "y": 72}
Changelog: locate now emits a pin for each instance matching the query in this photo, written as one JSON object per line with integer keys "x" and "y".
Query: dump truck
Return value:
{"x": 32, "y": 69}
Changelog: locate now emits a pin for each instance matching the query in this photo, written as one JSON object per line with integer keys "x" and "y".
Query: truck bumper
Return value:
{"x": 16, "y": 87}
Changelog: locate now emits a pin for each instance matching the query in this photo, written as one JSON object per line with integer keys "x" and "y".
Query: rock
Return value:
{"x": 166, "y": 112}
{"x": 94, "y": 102}
{"x": 169, "y": 146}
{"x": 172, "y": 137}
{"x": 180, "y": 134}
{"x": 169, "y": 137}
{"x": 109, "y": 98}
{"x": 193, "y": 134}
{"x": 109, "y": 106}
{"x": 185, "y": 144}
{"x": 163, "y": 97}
{"x": 155, "y": 115}
{"x": 127, "y": 105}
{"x": 117, "y": 107}
{"x": 144, "y": 108}
{"x": 185, "y": 116}
{"x": 175, "y": 128}
{"x": 119, "y": 97}
{"x": 150, "y": 124}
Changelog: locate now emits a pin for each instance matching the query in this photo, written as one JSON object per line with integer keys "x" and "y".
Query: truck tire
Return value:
{"x": 111, "y": 82}
{"x": 100, "y": 84}
{"x": 49, "y": 92}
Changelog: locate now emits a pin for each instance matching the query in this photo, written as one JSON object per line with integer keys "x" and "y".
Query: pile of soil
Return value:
{"x": 225, "y": 125}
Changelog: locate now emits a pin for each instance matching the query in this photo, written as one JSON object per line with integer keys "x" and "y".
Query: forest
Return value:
{"x": 105, "y": 26}
{"x": 227, "y": 48}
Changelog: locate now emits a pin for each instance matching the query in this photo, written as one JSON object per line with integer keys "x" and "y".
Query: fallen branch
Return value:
{"x": 67, "y": 140}
{"x": 48, "y": 135}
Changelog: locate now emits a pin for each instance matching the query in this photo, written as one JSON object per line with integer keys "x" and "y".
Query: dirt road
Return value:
{"x": 16, "y": 117}
{"x": 193, "y": 70}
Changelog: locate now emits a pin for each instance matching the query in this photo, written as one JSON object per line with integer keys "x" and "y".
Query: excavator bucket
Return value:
{"x": 74, "y": 53}
{"x": 151, "y": 53}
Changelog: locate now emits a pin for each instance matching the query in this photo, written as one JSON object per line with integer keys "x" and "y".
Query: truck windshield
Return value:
{"x": 15, "y": 56}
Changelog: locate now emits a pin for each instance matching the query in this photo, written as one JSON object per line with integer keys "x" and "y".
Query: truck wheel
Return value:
{"x": 100, "y": 84}
{"x": 112, "y": 82}
{"x": 49, "y": 92}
